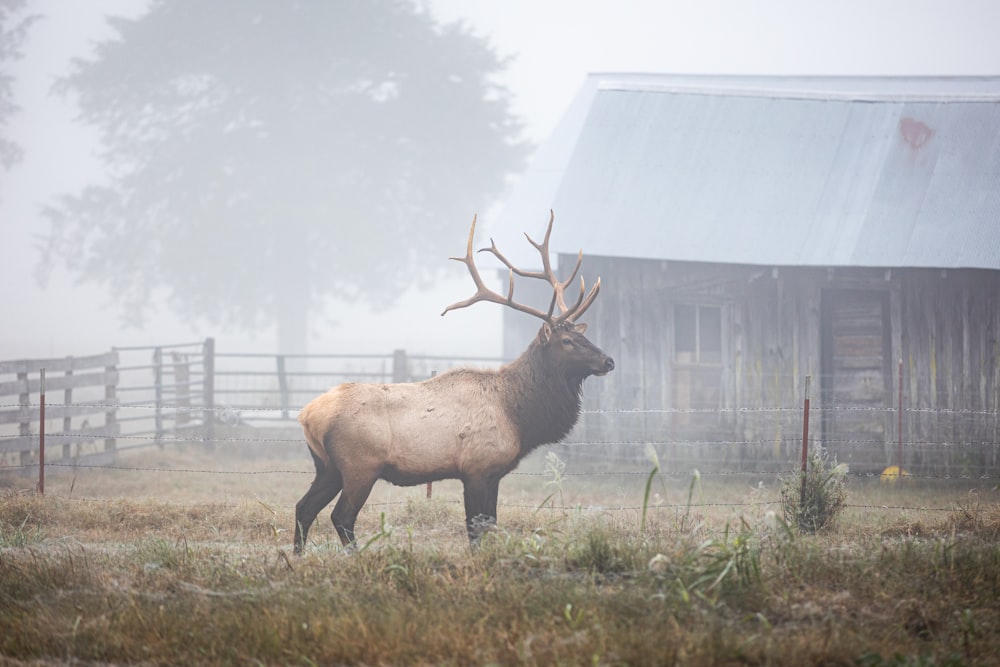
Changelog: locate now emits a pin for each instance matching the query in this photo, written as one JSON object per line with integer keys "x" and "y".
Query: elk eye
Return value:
{"x": 567, "y": 342}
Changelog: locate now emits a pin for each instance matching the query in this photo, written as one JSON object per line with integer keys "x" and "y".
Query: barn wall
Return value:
{"x": 943, "y": 325}
{"x": 951, "y": 360}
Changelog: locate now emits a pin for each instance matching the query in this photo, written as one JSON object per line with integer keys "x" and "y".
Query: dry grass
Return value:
{"x": 196, "y": 568}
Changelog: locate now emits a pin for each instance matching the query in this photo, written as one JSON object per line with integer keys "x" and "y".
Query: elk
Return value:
{"x": 468, "y": 424}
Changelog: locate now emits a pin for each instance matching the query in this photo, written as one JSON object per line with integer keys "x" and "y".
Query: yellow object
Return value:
{"x": 892, "y": 474}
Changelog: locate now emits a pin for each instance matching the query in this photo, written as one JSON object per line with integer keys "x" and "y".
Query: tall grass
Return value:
{"x": 150, "y": 582}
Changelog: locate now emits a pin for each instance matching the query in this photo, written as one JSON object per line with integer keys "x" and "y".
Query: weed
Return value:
{"x": 735, "y": 556}
{"x": 20, "y": 535}
{"x": 597, "y": 549}
{"x": 651, "y": 453}
{"x": 555, "y": 472}
{"x": 686, "y": 523}
{"x": 813, "y": 499}
{"x": 384, "y": 533}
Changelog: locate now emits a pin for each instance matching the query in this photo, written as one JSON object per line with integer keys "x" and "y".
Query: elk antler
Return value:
{"x": 483, "y": 293}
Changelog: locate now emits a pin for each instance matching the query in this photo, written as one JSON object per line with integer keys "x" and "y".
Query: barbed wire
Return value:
{"x": 791, "y": 469}
{"x": 551, "y": 507}
{"x": 225, "y": 408}
{"x": 909, "y": 445}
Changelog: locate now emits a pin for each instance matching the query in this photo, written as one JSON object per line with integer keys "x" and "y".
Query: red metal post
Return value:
{"x": 805, "y": 443}
{"x": 899, "y": 411}
{"x": 805, "y": 426}
{"x": 41, "y": 433}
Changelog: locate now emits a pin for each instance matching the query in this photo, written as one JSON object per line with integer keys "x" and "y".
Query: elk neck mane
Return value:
{"x": 542, "y": 400}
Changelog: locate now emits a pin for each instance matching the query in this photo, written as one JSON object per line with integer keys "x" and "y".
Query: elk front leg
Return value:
{"x": 324, "y": 488}
{"x": 480, "y": 506}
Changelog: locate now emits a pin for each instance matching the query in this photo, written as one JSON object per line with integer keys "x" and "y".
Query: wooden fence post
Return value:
{"x": 283, "y": 385}
{"x": 67, "y": 426}
{"x": 111, "y": 414}
{"x": 399, "y": 370}
{"x": 181, "y": 363}
{"x": 208, "y": 392}
{"x": 158, "y": 395}
{"x": 24, "y": 423}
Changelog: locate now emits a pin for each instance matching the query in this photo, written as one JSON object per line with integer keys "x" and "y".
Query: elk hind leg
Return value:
{"x": 323, "y": 490}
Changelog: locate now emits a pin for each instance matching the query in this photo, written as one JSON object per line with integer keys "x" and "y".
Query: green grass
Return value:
{"x": 649, "y": 569}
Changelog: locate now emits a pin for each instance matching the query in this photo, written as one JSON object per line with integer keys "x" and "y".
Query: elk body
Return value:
{"x": 468, "y": 424}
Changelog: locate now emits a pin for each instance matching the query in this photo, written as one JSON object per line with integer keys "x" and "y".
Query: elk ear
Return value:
{"x": 545, "y": 333}
{"x": 580, "y": 328}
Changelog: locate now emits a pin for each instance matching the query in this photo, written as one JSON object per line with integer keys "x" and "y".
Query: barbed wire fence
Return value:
{"x": 627, "y": 460}
{"x": 188, "y": 396}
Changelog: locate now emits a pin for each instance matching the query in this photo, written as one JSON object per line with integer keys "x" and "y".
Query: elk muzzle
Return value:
{"x": 609, "y": 365}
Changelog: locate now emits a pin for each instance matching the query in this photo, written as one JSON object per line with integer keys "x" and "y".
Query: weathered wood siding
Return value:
{"x": 951, "y": 369}
{"x": 943, "y": 325}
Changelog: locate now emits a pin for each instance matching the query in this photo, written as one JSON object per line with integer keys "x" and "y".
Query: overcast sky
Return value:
{"x": 552, "y": 45}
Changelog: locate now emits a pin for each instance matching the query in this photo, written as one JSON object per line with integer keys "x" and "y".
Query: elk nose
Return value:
{"x": 609, "y": 364}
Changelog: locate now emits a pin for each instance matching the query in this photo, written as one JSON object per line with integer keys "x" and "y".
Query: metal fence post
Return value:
{"x": 208, "y": 392}
{"x": 899, "y": 414}
{"x": 805, "y": 441}
{"x": 805, "y": 425}
{"x": 41, "y": 431}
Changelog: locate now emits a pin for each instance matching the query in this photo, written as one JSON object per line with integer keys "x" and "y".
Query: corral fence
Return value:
{"x": 134, "y": 397}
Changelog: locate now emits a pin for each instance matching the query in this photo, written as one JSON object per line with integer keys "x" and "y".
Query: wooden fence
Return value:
{"x": 135, "y": 397}
{"x": 84, "y": 393}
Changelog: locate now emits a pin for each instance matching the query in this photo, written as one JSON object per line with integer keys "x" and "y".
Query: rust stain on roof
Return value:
{"x": 915, "y": 132}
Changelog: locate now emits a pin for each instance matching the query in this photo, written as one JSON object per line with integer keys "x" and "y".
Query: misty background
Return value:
{"x": 226, "y": 168}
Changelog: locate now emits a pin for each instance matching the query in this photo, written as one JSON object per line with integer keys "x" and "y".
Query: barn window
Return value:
{"x": 697, "y": 334}
{"x": 697, "y": 369}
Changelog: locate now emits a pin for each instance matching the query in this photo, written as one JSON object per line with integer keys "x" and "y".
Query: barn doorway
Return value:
{"x": 856, "y": 384}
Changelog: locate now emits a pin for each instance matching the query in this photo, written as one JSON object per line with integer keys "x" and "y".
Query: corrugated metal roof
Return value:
{"x": 807, "y": 171}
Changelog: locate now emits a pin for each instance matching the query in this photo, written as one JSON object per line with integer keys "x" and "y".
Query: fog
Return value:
{"x": 552, "y": 46}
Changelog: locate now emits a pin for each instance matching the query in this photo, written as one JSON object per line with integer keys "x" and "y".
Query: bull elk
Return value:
{"x": 468, "y": 424}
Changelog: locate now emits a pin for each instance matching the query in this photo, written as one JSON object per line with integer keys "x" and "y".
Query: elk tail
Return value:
{"x": 314, "y": 436}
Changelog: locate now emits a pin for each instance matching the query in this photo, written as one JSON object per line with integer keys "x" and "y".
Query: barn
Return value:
{"x": 755, "y": 234}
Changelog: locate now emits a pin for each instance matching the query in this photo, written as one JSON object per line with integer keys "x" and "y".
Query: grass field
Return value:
{"x": 185, "y": 558}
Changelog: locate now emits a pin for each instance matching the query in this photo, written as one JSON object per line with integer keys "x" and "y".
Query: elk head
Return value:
{"x": 560, "y": 337}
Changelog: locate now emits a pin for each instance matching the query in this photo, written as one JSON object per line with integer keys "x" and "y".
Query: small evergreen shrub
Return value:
{"x": 812, "y": 500}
